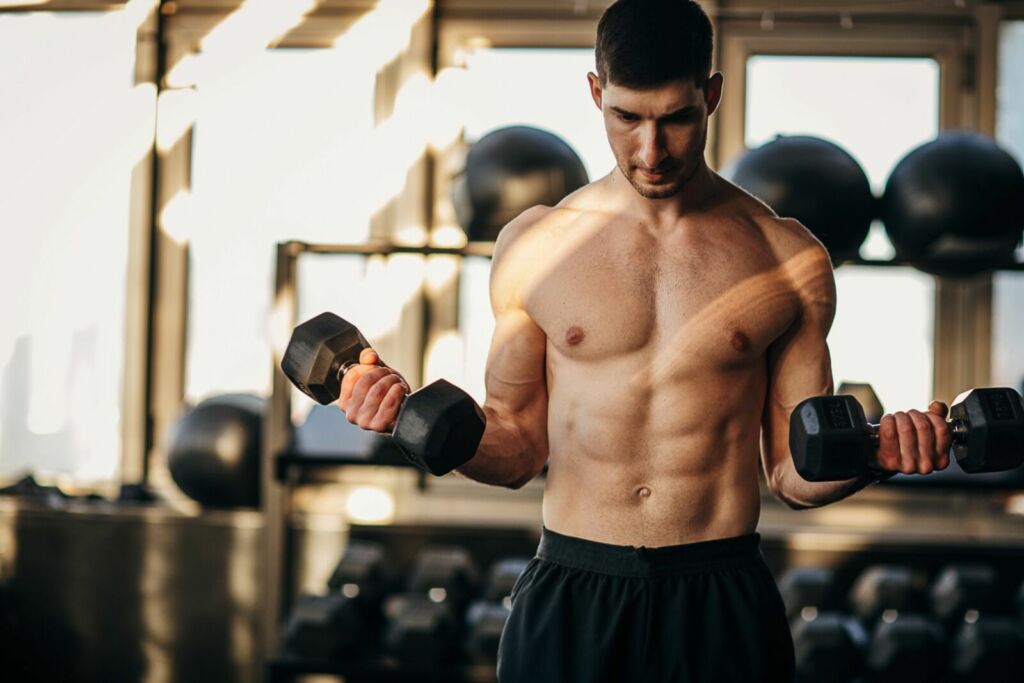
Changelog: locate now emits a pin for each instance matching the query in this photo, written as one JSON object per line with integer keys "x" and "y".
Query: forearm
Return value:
{"x": 798, "y": 493}
{"x": 507, "y": 455}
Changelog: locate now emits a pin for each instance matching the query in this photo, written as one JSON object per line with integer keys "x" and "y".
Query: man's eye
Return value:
{"x": 627, "y": 117}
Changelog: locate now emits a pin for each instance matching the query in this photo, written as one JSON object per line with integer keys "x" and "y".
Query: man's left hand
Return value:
{"x": 915, "y": 442}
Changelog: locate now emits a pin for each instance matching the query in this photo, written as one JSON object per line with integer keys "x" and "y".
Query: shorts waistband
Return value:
{"x": 626, "y": 560}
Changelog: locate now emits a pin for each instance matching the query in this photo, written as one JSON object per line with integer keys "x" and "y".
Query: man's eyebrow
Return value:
{"x": 689, "y": 109}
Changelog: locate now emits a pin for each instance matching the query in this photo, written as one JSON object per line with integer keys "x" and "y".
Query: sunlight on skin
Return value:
{"x": 765, "y": 291}
{"x": 768, "y": 291}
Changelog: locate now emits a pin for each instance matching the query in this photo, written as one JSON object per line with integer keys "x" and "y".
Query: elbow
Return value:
{"x": 793, "y": 504}
{"x": 779, "y": 489}
{"x": 519, "y": 483}
{"x": 536, "y": 466}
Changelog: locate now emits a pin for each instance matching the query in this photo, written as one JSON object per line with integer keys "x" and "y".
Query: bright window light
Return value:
{"x": 73, "y": 128}
{"x": 1008, "y": 287}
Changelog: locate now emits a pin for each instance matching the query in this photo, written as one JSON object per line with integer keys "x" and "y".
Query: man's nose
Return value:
{"x": 652, "y": 151}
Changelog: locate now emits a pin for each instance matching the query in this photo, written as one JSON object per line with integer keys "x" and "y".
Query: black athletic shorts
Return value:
{"x": 699, "y": 612}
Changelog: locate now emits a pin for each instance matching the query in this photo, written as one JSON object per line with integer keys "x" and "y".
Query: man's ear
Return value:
{"x": 595, "y": 88}
{"x": 713, "y": 91}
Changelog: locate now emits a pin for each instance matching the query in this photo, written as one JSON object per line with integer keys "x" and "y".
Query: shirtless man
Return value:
{"x": 650, "y": 330}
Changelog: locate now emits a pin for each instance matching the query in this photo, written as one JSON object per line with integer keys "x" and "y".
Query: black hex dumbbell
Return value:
{"x": 486, "y": 617}
{"x": 438, "y": 427}
{"x": 424, "y": 624}
{"x": 831, "y": 440}
{"x": 829, "y": 647}
{"x": 343, "y": 622}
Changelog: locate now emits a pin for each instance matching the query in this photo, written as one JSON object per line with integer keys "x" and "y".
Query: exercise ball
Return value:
{"x": 955, "y": 205}
{"x": 509, "y": 170}
{"x": 814, "y": 181}
{"x": 213, "y": 451}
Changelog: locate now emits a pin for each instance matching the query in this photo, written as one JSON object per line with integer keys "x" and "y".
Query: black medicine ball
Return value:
{"x": 508, "y": 171}
{"x": 213, "y": 451}
{"x": 814, "y": 181}
{"x": 955, "y": 206}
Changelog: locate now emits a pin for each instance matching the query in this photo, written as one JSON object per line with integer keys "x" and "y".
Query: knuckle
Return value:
{"x": 375, "y": 391}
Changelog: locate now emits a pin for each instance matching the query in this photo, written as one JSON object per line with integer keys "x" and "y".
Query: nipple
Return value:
{"x": 574, "y": 335}
{"x": 740, "y": 341}
{"x": 643, "y": 492}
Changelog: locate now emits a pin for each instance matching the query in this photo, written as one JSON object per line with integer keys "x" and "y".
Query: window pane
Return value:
{"x": 1008, "y": 288}
{"x": 1010, "y": 94}
{"x": 1008, "y": 330}
{"x": 1010, "y": 89}
{"x": 71, "y": 131}
{"x": 883, "y": 333}
{"x": 840, "y": 99}
{"x": 284, "y": 148}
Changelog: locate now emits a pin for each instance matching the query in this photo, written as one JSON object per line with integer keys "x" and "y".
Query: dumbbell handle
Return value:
{"x": 348, "y": 365}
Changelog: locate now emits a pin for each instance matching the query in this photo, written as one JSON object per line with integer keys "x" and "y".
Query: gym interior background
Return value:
{"x": 182, "y": 181}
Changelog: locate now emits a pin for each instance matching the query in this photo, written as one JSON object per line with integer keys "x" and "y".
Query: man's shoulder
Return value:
{"x": 800, "y": 257}
{"x": 536, "y": 229}
{"x": 788, "y": 238}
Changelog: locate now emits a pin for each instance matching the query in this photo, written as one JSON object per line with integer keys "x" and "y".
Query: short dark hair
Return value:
{"x": 645, "y": 43}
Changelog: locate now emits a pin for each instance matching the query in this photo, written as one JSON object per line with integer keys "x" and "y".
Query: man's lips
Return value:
{"x": 653, "y": 175}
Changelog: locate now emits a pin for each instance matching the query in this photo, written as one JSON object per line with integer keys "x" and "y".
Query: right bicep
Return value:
{"x": 515, "y": 379}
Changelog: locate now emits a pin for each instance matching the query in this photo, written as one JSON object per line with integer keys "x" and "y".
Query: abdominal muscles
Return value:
{"x": 636, "y": 464}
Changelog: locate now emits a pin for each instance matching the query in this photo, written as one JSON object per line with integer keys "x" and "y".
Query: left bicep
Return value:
{"x": 798, "y": 362}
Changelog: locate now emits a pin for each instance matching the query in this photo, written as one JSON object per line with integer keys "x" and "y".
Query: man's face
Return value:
{"x": 657, "y": 134}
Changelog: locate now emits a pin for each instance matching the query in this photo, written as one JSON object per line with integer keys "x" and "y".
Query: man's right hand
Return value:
{"x": 372, "y": 393}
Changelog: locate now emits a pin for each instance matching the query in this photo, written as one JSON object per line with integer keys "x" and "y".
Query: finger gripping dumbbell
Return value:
{"x": 438, "y": 427}
{"x": 831, "y": 440}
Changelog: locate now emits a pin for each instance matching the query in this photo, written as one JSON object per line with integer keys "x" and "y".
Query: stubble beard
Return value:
{"x": 659, "y": 191}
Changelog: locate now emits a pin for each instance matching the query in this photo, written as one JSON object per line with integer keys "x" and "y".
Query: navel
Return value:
{"x": 574, "y": 335}
{"x": 643, "y": 492}
{"x": 740, "y": 341}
